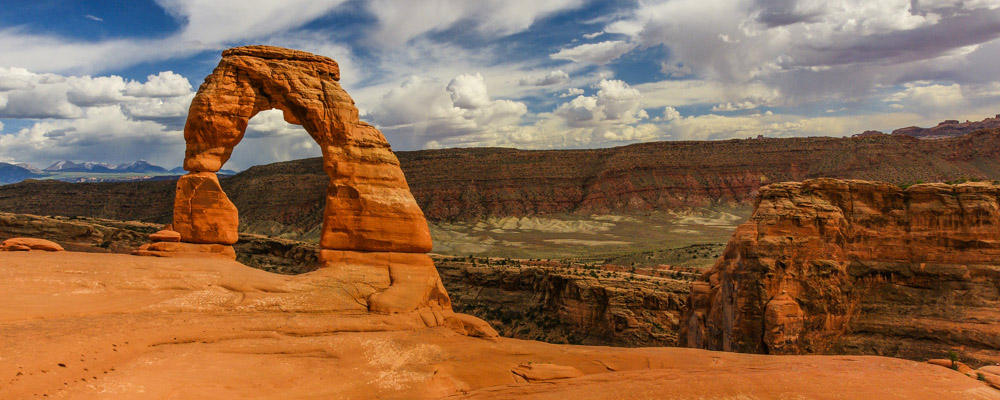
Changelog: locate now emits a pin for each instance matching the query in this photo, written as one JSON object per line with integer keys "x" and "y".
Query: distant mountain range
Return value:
{"x": 949, "y": 128}
{"x": 12, "y": 173}
{"x": 141, "y": 166}
{"x": 71, "y": 171}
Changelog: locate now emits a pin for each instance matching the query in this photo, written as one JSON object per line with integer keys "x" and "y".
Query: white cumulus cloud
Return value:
{"x": 595, "y": 53}
{"x": 552, "y": 78}
{"x": 615, "y": 102}
{"x": 423, "y": 110}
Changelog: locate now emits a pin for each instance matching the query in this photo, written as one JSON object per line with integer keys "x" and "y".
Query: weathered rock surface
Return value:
{"x": 116, "y": 326}
{"x": 865, "y": 268}
{"x": 202, "y": 212}
{"x": 28, "y": 244}
{"x": 165, "y": 235}
{"x": 557, "y": 305}
{"x": 368, "y": 203}
{"x": 181, "y": 249}
{"x": 546, "y": 372}
{"x": 374, "y": 235}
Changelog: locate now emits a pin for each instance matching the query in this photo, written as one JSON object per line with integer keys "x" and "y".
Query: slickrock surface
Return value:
{"x": 846, "y": 267}
{"x": 97, "y": 326}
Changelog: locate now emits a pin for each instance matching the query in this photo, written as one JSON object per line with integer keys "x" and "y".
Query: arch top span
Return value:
{"x": 252, "y": 79}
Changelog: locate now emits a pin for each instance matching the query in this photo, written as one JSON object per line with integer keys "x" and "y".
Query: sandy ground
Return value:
{"x": 97, "y": 326}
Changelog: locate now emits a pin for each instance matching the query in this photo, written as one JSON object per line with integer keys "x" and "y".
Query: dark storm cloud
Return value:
{"x": 927, "y": 42}
{"x": 775, "y": 13}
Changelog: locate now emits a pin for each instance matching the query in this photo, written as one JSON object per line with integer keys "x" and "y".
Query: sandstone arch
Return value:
{"x": 374, "y": 234}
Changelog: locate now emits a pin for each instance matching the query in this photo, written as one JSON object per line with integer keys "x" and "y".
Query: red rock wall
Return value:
{"x": 834, "y": 266}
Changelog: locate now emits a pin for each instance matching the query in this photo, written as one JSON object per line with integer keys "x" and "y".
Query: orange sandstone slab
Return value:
{"x": 98, "y": 326}
{"x": 25, "y": 244}
{"x": 165, "y": 235}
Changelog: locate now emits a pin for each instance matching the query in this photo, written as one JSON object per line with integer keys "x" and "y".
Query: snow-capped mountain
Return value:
{"x": 141, "y": 166}
{"x": 28, "y": 167}
{"x": 69, "y": 166}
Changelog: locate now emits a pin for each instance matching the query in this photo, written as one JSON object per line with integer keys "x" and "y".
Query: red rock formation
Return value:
{"x": 368, "y": 203}
{"x": 179, "y": 249}
{"x": 202, "y": 212}
{"x": 28, "y": 244}
{"x": 165, "y": 235}
{"x": 833, "y": 266}
{"x": 374, "y": 233}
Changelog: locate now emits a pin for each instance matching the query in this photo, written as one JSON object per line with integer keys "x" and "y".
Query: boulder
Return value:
{"x": 26, "y": 244}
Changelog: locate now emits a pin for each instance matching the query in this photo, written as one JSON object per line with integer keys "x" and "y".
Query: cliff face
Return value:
{"x": 568, "y": 305}
{"x": 671, "y": 175}
{"x": 832, "y": 266}
{"x": 463, "y": 184}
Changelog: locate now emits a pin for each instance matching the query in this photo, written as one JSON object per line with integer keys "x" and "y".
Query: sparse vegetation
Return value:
{"x": 953, "y": 356}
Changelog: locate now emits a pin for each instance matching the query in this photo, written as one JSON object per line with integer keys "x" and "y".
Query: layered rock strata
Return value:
{"x": 287, "y": 198}
{"x": 846, "y": 266}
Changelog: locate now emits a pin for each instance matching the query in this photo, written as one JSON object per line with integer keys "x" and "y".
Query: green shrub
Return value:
{"x": 953, "y": 356}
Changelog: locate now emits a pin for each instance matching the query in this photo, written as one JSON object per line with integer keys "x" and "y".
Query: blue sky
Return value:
{"x": 111, "y": 80}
